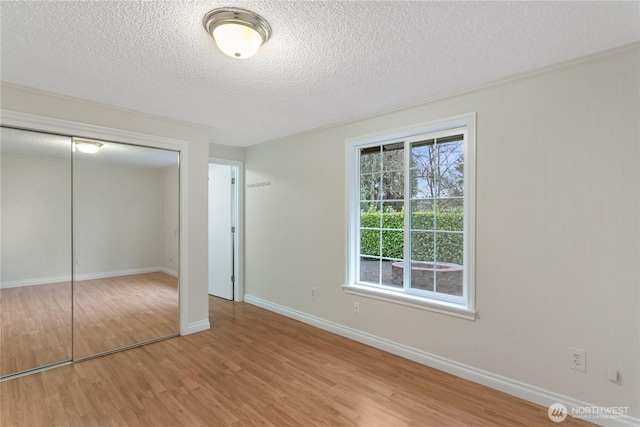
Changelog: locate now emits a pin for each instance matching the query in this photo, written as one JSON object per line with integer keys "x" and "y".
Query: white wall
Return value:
{"x": 31, "y": 101}
{"x": 117, "y": 218}
{"x": 558, "y": 220}
{"x": 170, "y": 219}
{"x": 36, "y": 220}
{"x": 125, "y": 219}
{"x": 226, "y": 152}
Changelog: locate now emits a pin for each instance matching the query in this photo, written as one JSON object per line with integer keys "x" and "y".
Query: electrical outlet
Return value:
{"x": 356, "y": 307}
{"x": 577, "y": 359}
{"x": 314, "y": 293}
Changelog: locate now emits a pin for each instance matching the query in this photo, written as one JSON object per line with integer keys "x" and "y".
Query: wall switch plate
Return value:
{"x": 577, "y": 359}
{"x": 612, "y": 374}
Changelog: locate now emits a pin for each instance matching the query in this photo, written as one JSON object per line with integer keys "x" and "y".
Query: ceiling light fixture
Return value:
{"x": 238, "y": 33}
{"x": 86, "y": 145}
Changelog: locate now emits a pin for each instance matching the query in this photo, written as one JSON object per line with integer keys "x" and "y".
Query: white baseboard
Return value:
{"x": 168, "y": 271}
{"x": 85, "y": 276}
{"x": 33, "y": 282}
{"x": 199, "y": 326}
{"x": 516, "y": 388}
{"x": 116, "y": 273}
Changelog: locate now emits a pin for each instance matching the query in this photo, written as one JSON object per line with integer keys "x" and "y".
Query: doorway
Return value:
{"x": 224, "y": 229}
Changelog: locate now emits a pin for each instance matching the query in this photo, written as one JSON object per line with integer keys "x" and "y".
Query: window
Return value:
{"x": 411, "y": 216}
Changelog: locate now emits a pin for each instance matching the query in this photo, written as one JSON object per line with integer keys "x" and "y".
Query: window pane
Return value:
{"x": 370, "y": 242}
{"x": 392, "y": 244}
{"x": 370, "y": 270}
{"x": 393, "y": 216}
{"x": 422, "y": 183}
{"x": 390, "y": 274}
{"x": 450, "y": 215}
{"x": 423, "y": 153}
{"x": 370, "y": 186}
{"x": 451, "y": 181}
{"x": 450, "y": 203}
{"x": 392, "y": 206}
{"x": 449, "y": 279}
{"x": 370, "y": 159}
{"x": 449, "y": 247}
{"x": 422, "y": 275}
{"x": 370, "y": 214}
{"x": 393, "y": 185}
{"x": 450, "y": 153}
{"x": 393, "y": 157}
{"x": 451, "y": 138}
{"x": 422, "y": 246}
{"x": 422, "y": 215}
{"x": 436, "y": 222}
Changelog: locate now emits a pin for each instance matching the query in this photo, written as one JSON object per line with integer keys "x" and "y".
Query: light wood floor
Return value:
{"x": 121, "y": 311}
{"x": 35, "y": 326}
{"x": 110, "y": 313}
{"x": 254, "y": 367}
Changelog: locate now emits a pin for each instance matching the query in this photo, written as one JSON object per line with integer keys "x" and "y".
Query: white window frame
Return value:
{"x": 463, "y": 307}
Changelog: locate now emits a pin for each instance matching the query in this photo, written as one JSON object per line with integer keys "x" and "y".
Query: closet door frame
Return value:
{"x": 75, "y": 129}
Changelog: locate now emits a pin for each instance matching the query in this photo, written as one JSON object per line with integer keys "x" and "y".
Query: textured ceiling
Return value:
{"x": 326, "y": 62}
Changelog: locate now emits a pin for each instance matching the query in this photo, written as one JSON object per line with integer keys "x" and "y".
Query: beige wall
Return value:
{"x": 25, "y": 100}
{"x": 35, "y": 242}
{"x": 557, "y": 230}
{"x": 227, "y": 152}
{"x": 170, "y": 218}
{"x": 36, "y": 235}
{"x": 116, "y": 203}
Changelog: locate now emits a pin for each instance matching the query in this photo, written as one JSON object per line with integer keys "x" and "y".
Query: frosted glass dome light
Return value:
{"x": 237, "y": 40}
{"x": 87, "y": 146}
{"x": 238, "y": 33}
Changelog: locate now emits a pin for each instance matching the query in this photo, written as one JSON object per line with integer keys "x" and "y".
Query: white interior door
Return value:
{"x": 220, "y": 231}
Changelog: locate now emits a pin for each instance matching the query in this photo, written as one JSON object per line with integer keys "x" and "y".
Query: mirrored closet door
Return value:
{"x": 125, "y": 233}
{"x": 35, "y": 245}
{"x": 89, "y": 248}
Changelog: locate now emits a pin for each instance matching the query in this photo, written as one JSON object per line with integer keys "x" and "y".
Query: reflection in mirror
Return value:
{"x": 126, "y": 246}
{"x": 35, "y": 240}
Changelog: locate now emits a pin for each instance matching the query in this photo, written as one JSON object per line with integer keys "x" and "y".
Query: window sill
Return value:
{"x": 411, "y": 301}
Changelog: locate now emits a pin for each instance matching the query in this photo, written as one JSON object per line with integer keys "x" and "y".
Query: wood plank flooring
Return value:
{"x": 254, "y": 367}
{"x": 108, "y": 313}
{"x": 35, "y": 326}
{"x": 120, "y": 311}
